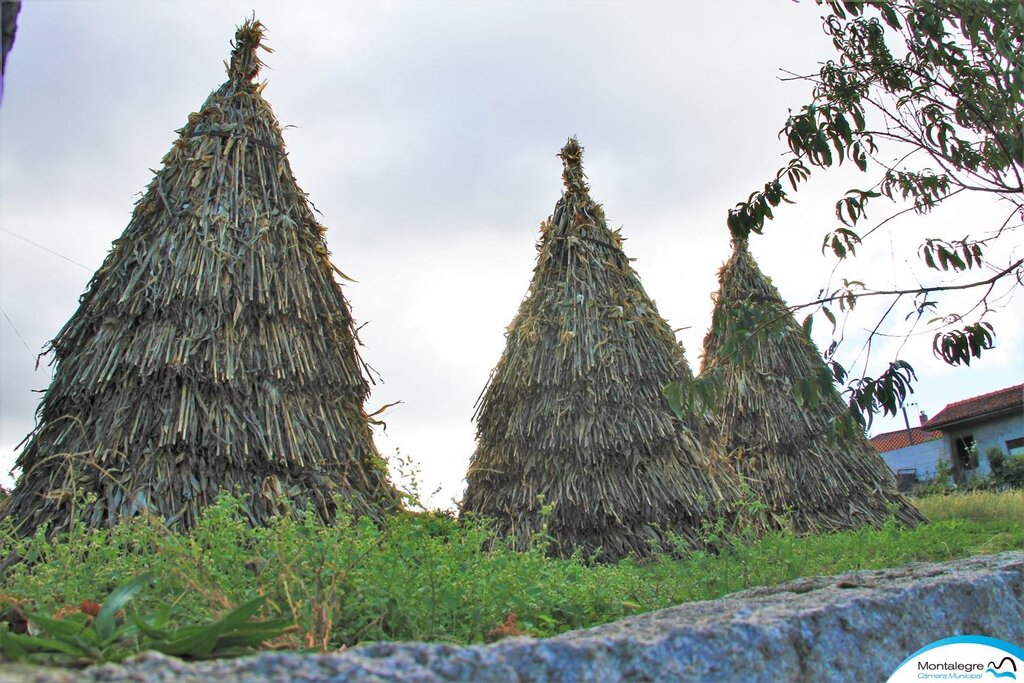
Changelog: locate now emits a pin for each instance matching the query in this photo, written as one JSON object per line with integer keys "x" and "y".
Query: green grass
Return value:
{"x": 429, "y": 577}
{"x": 979, "y": 506}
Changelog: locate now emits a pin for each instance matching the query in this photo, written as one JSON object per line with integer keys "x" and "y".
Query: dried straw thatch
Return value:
{"x": 213, "y": 349}
{"x": 573, "y": 414}
{"x": 777, "y": 420}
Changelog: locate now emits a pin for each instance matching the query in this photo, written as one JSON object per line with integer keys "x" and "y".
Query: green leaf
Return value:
{"x": 252, "y": 636}
{"x": 10, "y": 647}
{"x": 64, "y": 629}
{"x": 254, "y": 627}
{"x": 830, "y": 315}
{"x": 197, "y": 642}
{"x": 242, "y": 613}
{"x": 29, "y": 643}
{"x": 32, "y": 556}
{"x": 838, "y": 371}
{"x": 202, "y": 641}
{"x": 149, "y": 629}
{"x": 929, "y": 259}
{"x": 890, "y": 15}
{"x": 674, "y": 394}
{"x": 104, "y": 623}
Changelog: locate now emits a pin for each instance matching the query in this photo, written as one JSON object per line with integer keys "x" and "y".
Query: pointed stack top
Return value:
{"x": 245, "y": 64}
{"x": 576, "y": 214}
{"x": 572, "y": 169}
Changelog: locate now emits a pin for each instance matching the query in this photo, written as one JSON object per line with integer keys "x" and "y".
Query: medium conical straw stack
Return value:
{"x": 779, "y": 436}
{"x": 573, "y": 416}
{"x": 213, "y": 350}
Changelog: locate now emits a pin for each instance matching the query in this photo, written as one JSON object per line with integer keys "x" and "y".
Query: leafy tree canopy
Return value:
{"x": 937, "y": 86}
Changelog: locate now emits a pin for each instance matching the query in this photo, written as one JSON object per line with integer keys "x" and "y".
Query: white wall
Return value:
{"x": 921, "y": 456}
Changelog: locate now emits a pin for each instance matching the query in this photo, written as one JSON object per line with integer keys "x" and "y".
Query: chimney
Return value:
{"x": 924, "y": 418}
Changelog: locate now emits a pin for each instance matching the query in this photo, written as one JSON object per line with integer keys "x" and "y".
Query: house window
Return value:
{"x": 1015, "y": 447}
{"x": 966, "y": 453}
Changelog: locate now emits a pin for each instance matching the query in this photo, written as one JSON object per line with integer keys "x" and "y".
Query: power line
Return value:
{"x": 36, "y": 244}
{"x": 11, "y": 323}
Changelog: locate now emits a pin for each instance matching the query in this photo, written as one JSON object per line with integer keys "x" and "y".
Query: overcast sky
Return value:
{"x": 426, "y": 133}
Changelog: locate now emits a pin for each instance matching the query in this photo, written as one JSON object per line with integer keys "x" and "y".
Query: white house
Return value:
{"x": 972, "y": 427}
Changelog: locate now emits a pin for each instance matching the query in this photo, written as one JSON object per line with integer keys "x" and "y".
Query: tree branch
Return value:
{"x": 919, "y": 290}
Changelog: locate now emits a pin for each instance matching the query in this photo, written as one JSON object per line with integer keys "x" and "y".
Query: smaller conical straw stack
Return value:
{"x": 786, "y": 448}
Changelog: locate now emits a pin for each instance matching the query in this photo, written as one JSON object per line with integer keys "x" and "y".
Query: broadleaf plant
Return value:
{"x": 75, "y": 641}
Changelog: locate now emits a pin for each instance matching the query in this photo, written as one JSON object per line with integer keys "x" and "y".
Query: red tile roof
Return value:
{"x": 890, "y": 441}
{"x": 1004, "y": 400}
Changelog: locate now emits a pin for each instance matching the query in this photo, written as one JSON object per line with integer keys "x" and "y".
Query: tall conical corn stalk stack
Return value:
{"x": 213, "y": 350}
{"x": 573, "y": 417}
